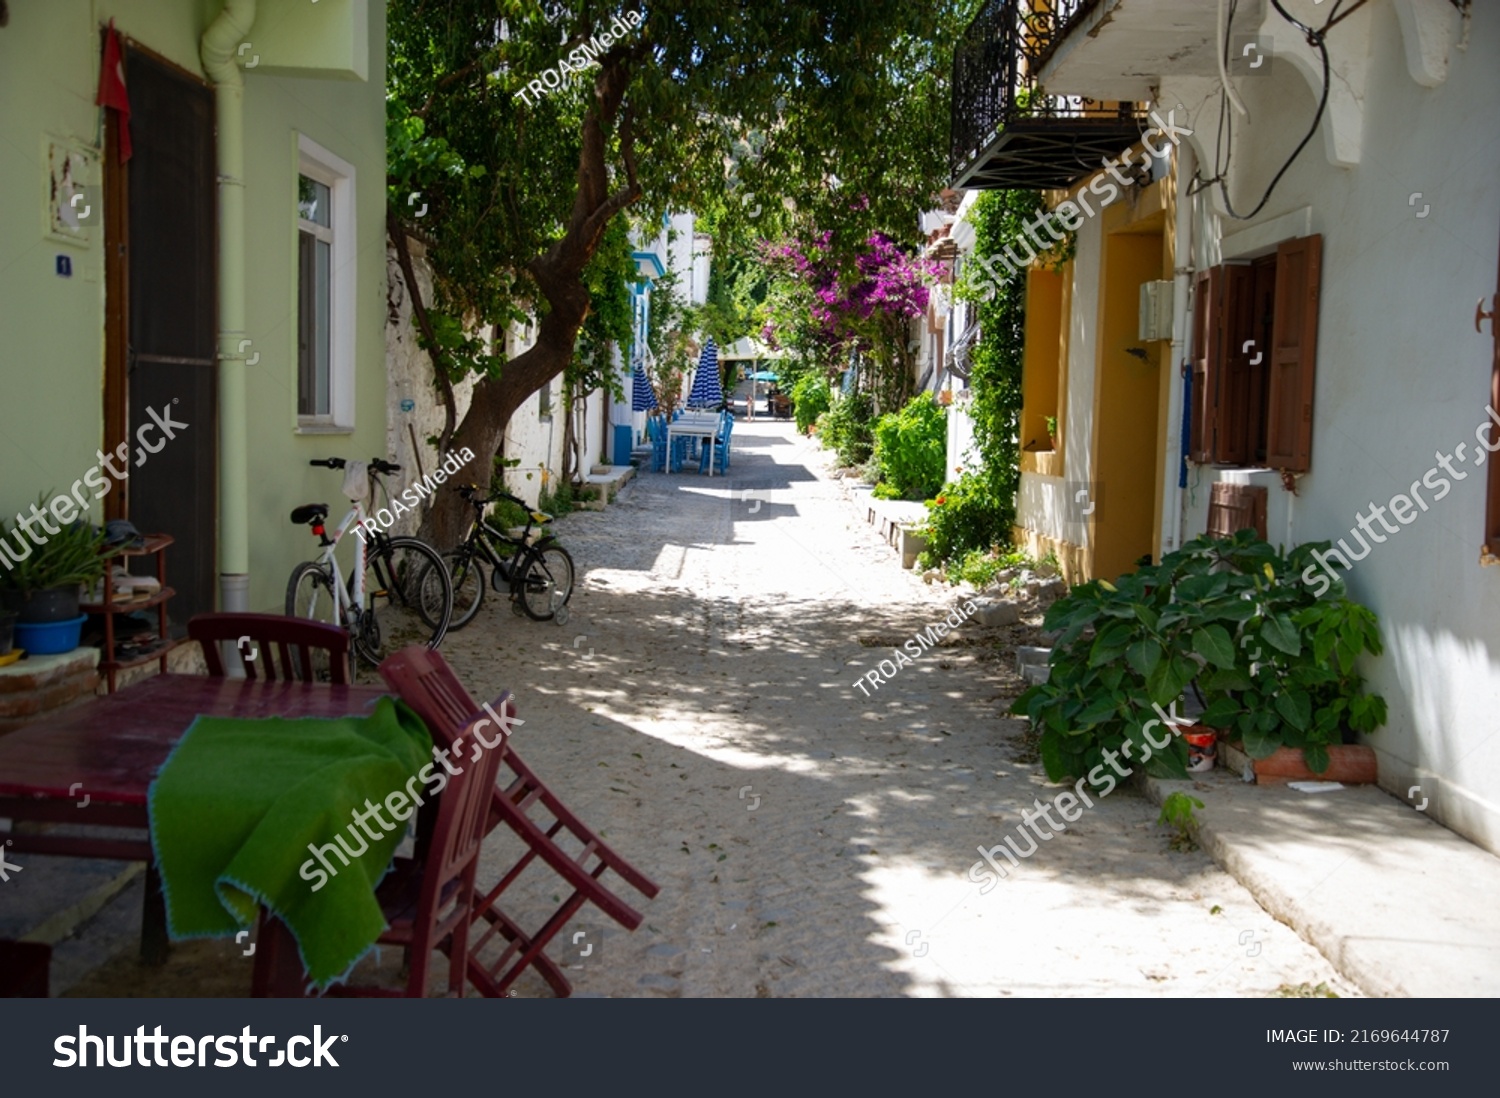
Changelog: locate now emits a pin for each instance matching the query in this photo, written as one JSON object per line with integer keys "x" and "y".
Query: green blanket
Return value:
{"x": 242, "y": 809}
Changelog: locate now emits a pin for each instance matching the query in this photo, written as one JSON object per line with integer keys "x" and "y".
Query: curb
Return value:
{"x": 1341, "y": 950}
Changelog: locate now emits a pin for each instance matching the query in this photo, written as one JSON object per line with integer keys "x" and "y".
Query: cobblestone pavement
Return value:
{"x": 699, "y": 707}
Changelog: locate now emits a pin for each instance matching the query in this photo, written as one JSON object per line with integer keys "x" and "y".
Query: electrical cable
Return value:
{"x": 1239, "y": 104}
{"x": 1314, "y": 39}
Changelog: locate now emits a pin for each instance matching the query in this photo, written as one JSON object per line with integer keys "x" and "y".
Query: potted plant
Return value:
{"x": 1052, "y": 430}
{"x": 43, "y": 586}
{"x": 1273, "y": 663}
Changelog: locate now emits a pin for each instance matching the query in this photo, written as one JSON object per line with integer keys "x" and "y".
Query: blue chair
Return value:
{"x": 656, "y": 431}
{"x": 718, "y": 450}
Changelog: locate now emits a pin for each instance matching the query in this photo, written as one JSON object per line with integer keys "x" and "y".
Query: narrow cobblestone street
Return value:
{"x": 699, "y": 706}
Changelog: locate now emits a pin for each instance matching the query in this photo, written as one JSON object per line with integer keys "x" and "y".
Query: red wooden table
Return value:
{"x": 93, "y": 764}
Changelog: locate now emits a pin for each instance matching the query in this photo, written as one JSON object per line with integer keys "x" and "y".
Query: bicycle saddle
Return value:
{"x": 309, "y": 513}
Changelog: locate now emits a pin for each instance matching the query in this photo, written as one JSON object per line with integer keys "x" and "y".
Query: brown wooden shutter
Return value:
{"x": 1236, "y": 507}
{"x": 1205, "y": 326}
{"x": 1236, "y": 316}
{"x": 1293, "y": 354}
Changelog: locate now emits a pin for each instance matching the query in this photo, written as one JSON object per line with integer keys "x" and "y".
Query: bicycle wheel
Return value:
{"x": 309, "y": 595}
{"x": 408, "y": 599}
{"x": 468, "y": 586}
{"x": 545, "y": 582}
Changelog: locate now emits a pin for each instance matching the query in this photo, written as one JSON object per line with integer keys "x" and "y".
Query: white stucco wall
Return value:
{"x": 1401, "y": 376}
{"x": 1045, "y": 504}
{"x": 409, "y": 374}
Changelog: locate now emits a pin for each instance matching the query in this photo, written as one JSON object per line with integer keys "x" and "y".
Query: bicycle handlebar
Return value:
{"x": 470, "y": 493}
{"x": 377, "y": 464}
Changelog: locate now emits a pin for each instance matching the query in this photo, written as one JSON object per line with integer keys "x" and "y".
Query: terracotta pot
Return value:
{"x": 1349, "y": 763}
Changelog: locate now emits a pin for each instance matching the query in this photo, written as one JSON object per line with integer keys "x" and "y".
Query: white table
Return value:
{"x": 694, "y": 426}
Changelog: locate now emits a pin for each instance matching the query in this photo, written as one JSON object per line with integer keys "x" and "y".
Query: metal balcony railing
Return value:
{"x": 1007, "y": 131}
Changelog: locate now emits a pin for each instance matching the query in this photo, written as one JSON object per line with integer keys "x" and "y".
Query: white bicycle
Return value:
{"x": 399, "y": 593}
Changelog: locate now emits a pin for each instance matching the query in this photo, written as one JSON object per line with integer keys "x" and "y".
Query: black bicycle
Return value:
{"x": 538, "y": 573}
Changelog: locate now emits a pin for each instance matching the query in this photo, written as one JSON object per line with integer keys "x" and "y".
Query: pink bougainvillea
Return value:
{"x": 885, "y": 283}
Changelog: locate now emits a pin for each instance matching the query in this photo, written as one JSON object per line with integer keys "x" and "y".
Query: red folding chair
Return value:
{"x": 428, "y": 903}
{"x": 423, "y": 679}
{"x": 309, "y": 651}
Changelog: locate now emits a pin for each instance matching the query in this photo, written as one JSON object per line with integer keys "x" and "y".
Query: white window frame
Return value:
{"x": 338, "y": 175}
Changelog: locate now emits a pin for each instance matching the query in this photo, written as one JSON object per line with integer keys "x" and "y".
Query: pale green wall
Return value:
{"x": 51, "y": 328}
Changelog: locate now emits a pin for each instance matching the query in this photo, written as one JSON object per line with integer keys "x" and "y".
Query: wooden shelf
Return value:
{"x": 153, "y": 545}
{"x": 114, "y": 607}
{"x": 143, "y": 659}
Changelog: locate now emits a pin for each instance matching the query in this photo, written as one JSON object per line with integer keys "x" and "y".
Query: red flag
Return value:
{"x": 112, "y": 91}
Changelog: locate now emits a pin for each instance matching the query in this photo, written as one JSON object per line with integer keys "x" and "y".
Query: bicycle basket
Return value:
{"x": 357, "y": 481}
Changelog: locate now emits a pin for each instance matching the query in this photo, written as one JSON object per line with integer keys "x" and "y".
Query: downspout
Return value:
{"x": 217, "y": 50}
{"x": 1182, "y": 259}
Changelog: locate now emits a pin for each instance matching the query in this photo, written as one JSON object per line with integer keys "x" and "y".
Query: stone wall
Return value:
{"x": 38, "y": 685}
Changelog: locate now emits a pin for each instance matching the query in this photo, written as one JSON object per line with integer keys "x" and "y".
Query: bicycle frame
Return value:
{"x": 348, "y": 605}
{"x": 487, "y": 534}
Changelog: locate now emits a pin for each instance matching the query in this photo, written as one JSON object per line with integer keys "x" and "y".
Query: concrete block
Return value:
{"x": 1029, "y": 656}
{"x": 992, "y": 613}
{"x": 911, "y": 545}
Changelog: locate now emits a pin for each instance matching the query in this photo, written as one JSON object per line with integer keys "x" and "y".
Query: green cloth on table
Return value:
{"x": 237, "y": 804}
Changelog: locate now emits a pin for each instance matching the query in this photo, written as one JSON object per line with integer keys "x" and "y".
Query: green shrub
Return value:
{"x": 846, "y": 428}
{"x": 505, "y": 514}
{"x": 965, "y": 516}
{"x": 911, "y": 449}
{"x": 979, "y": 566}
{"x": 1233, "y": 618}
{"x": 74, "y": 556}
{"x": 557, "y": 503}
{"x": 810, "y": 399}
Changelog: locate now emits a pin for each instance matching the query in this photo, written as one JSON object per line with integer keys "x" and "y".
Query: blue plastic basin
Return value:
{"x": 48, "y": 638}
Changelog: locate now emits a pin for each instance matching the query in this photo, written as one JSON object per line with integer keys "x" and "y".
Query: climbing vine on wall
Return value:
{"x": 987, "y": 499}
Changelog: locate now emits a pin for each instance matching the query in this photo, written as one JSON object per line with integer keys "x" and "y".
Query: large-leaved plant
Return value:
{"x": 1274, "y": 663}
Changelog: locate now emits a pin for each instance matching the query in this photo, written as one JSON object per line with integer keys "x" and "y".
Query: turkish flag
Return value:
{"x": 112, "y": 93}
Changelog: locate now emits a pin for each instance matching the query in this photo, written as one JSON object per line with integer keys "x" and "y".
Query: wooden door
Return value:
{"x": 162, "y": 372}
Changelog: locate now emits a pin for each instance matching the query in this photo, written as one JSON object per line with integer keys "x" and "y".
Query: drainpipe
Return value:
{"x": 217, "y": 50}
{"x": 1171, "y": 511}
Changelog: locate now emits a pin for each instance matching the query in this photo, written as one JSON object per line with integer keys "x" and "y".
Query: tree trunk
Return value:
{"x": 558, "y": 274}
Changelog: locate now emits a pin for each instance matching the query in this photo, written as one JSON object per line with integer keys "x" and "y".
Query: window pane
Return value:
{"x": 323, "y": 345}
{"x": 306, "y": 325}
{"x": 313, "y": 201}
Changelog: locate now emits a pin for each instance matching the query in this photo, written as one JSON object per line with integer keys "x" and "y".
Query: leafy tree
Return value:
{"x": 807, "y": 102}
